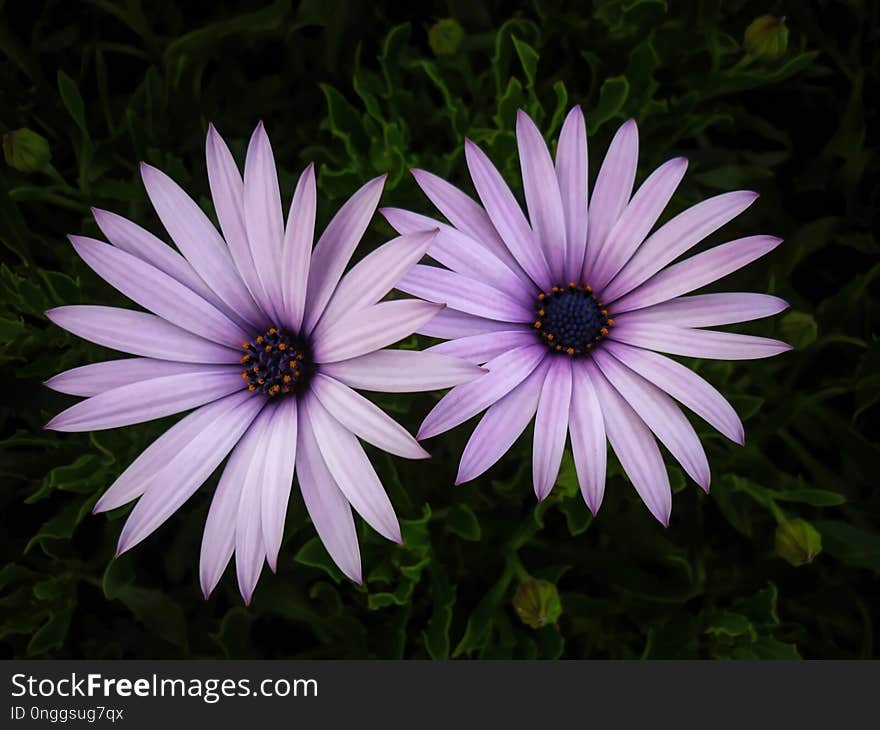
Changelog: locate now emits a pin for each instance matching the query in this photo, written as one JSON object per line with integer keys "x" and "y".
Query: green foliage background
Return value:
{"x": 780, "y": 560}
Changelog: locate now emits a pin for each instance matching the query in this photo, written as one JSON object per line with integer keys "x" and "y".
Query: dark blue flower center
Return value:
{"x": 277, "y": 363}
{"x": 571, "y": 320}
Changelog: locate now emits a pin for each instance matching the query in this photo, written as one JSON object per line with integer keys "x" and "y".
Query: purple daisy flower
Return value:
{"x": 266, "y": 339}
{"x": 567, "y": 309}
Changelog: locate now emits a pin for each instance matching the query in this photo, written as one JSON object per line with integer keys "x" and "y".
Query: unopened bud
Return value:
{"x": 445, "y": 37}
{"x": 798, "y": 542}
{"x": 766, "y": 38}
{"x": 26, "y": 151}
{"x": 537, "y": 603}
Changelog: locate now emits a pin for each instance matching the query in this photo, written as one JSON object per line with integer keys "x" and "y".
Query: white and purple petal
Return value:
{"x": 139, "y": 333}
{"x": 442, "y": 286}
{"x": 147, "y": 400}
{"x": 686, "y": 342}
{"x": 676, "y": 237}
{"x": 506, "y": 216}
{"x": 710, "y": 310}
{"x": 484, "y": 347}
{"x": 370, "y": 329}
{"x": 465, "y": 401}
{"x": 572, "y": 172}
{"x": 336, "y": 245}
{"x": 612, "y": 191}
{"x": 376, "y": 274}
{"x": 352, "y": 471}
{"x": 501, "y": 426}
{"x": 89, "y": 380}
{"x": 551, "y": 426}
{"x": 635, "y": 447}
{"x": 365, "y": 419}
{"x": 199, "y": 242}
{"x": 587, "y": 432}
{"x": 402, "y": 371}
{"x": 325, "y": 503}
{"x": 158, "y": 292}
{"x": 695, "y": 272}
{"x": 466, "y": 215}
{"x": 660, "y": 414}
{"x": 543, "y": 198}
{"x": 187, "y": 470}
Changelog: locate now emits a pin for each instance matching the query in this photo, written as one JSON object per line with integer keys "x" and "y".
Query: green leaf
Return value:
{"x": 463, "y": 522}
{"x": 612, "y": 97}
{"x": 850, "y": 544}
{"x": 799, "y": 329}
{"x": 479, "y": 625}
{"x": 436, "y": 635}
{"x": 746, "y": 406}
{"x": 814, "y": 497}
{"x": 52, "y": 634}
{"x": 10, "y": 329}
{"x": 73, "y": 101}
{"x": 315, "y": 555}
{"x": 528, "y": 57}
{"x": 730, "y": 624}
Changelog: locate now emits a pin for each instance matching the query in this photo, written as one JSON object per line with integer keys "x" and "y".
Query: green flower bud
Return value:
{"x": 766, "y": 38}
{"x": 26, "y": 151}
{"x": 798, "y": 542}
{"x": 537, "y": 603}
{"x": 445, "y": 37}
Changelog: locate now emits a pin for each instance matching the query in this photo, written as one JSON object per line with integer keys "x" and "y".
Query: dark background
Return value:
{"x": 780, "y": 560}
